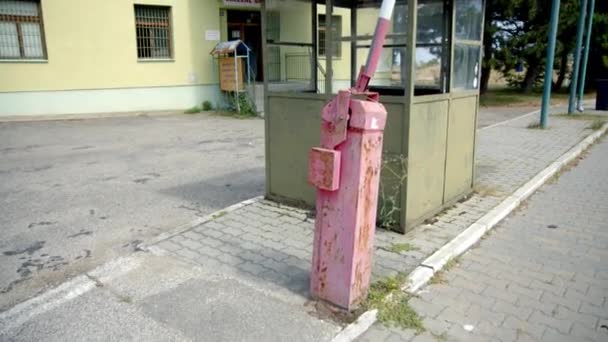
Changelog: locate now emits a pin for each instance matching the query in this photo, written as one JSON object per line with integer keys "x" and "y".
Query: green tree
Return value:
{"x": 516, "y": 33}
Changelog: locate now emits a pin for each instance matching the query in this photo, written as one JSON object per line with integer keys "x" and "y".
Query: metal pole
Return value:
{"x": 236, "y": 83}
{"x": 577, "y": 56}
{"x": 549, "y": 65}
{"x": 581, "y": 85}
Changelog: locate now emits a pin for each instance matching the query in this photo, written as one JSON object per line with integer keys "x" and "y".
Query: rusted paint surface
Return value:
{"x": 324, "y": 168}
{"x": 335, "y": 120}
{"x": 345, "y": 224}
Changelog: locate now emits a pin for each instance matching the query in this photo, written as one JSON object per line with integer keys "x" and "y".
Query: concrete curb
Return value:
{"x": 358, "y": 327}
{"x": 421, "y": 275}
{"x": 145, "y": 246}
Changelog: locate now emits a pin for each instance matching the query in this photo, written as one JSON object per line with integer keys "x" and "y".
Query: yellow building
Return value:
{"x": 93, "y": 56}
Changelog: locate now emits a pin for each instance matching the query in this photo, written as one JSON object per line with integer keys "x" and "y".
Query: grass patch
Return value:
{"x": 219, "y": 214}
{"x": 534, "y": 125}
{"x": 508, "y": 97}
{"x": 597, "y": 124}
{"x": 193, "y": 110}
{"x": 401, "y": 247}
{"x": 393, "y": 304}
{"x": 578, "y": 116}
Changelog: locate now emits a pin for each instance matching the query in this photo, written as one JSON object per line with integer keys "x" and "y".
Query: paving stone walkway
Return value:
{"x": 541, "y": 275}
{"x": 271, "y": 244}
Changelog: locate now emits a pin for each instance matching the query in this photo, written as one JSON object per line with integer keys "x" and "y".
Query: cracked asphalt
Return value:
{"x": 76, "y": 193}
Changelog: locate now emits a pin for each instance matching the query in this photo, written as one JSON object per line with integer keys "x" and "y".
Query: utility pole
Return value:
{"x": 549, "y": 65}
{"x": 577, "y": 56}
{"x": 581, "y": 85}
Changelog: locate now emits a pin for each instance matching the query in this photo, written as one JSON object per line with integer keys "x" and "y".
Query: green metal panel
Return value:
{"x": 460, "y": 147}
{"x": 293, "y": 128}
{"x": 426, "y": 160}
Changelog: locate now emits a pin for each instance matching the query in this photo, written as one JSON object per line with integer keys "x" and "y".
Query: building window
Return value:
{"x": 21, "y": 30}
{"x": 336, "y": 31}
{"x": 153, "y": 31}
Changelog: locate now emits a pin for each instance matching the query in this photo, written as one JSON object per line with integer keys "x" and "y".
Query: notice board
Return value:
{"x": 228, "y": 79}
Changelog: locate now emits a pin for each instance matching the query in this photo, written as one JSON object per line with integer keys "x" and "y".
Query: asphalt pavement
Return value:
{"x": 76, "y": 193}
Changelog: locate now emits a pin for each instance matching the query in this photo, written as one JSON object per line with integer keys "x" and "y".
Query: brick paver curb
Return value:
{"x": 421, "y": 275}
{"x": 145, "y": 246}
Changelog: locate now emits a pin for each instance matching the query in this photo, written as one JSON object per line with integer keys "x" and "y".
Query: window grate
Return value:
{"x": 336, "y": 22}
{"x": 153, "y": 31}
{"x": 21, "y": 30}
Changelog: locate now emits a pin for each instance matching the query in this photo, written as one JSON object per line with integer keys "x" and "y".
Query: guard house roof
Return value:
{"x": 223, "y": 48}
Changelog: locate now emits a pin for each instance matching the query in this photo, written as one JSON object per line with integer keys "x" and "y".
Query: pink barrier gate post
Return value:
{"x": 345, "y": 169}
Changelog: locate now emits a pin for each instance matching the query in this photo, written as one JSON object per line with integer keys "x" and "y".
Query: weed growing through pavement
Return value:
{"x": 392, "y": 304}
{"x": 401, "y": 247}
{"x": 452, "y": 263}
{"x": 439, "y": 276}
{"x": 219, "y": 214}
{"x": 534, "y": 125}
{"x": 487, "y": 191}
{"x": 394, "y": 174}
{"x": 597, "y": 124}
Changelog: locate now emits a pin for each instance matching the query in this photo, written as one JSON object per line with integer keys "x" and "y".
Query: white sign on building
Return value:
{"x": 248, "y": 3}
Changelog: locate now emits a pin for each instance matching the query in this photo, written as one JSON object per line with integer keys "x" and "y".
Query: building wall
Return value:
{"x": 92, "y": 63}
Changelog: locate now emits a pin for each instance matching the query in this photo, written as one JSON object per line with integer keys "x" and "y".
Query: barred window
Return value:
{"x": 336, "y": 30}
{"x": 21, "y": 30}
{"x": 153, "y": 31}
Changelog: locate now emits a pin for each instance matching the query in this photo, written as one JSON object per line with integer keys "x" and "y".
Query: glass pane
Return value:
{"x": 27, "y": 8}
{"x": 466, "y": 66}
{"x": 292, "y": 62}
{"x": 336, "y": 31}
{"x": 293, "y": 71}
{"x": 9, "y": 41}
{"x": 367, "y": 16}
{"x": 390, "y": 72}
{"x": 292, "y": 18}
{"x": 32, "y": 40}
{"x": 341, "y": 61}
{"x": 430, "y": 22}
{"x": 428, "y": 68}
{"x": 468, "y": 19}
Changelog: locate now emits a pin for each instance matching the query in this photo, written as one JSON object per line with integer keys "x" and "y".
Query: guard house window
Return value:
{"x": 467, "y": 44}
{"x": 153, "y": 30}
{"x": 432, "y": 47}
{"x": 21, "y": 30}
{"x": 336, "y": 27}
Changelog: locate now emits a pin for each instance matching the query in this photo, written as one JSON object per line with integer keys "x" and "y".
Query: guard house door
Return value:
{"x": 247, "y": 26}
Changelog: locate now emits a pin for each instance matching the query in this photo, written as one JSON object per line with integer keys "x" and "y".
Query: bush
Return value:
{"x": 207, "y": 106}
{"x": 192, "y": 110}
{"x": 244, "y": 107}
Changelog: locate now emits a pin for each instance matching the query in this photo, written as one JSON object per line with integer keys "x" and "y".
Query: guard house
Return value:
{"x": 427, "y": 78}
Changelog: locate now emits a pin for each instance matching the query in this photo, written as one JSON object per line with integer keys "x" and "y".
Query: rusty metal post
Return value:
{"x": 346, "y": 172}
